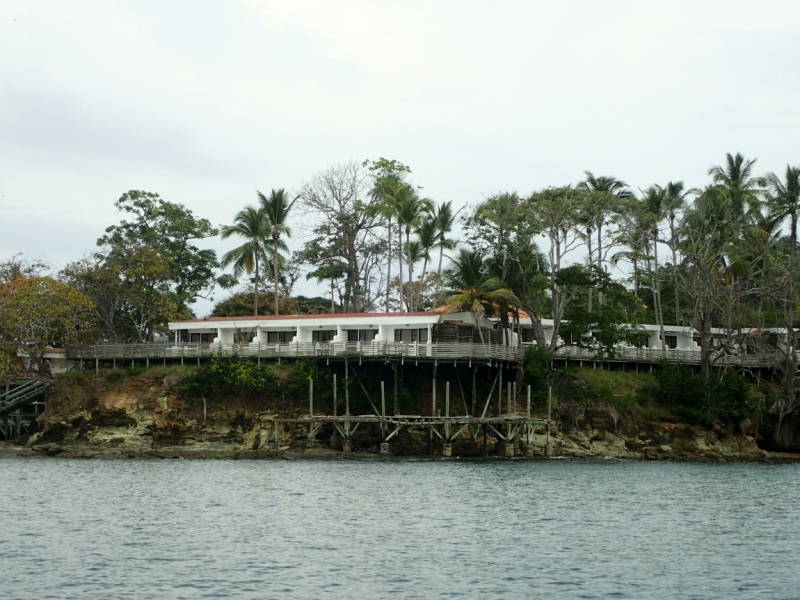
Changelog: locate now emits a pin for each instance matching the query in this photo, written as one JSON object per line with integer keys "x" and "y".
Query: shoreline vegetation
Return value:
{"x": 597, "y": 258}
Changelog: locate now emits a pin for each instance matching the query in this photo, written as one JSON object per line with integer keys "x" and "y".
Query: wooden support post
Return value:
{"x": 447, "y": 399}
{"x": 394, "y": 368}
{"x": 311, "y": 398}
{"x": 500, "y": 393}
{"x": 433, "y": 398}
{"x": 147, "y": 360}
{"x": 474, "y": 390}
{"x": 334, "y": 394}
{"x": 346, "y": 390}
{"x": 96, "y": 363}
{"x": 547, "y": 449}
{"x": 528, "y": 406}
{"x": 508, "y": 400}
{"x": 433, "y": 395}
{"x": 383, "y": 401}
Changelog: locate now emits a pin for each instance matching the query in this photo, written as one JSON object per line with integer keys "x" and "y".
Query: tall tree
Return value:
{"x": 675, "y": 202}
{"x": 445, "y": 219}
{"x": 342, "y": 213}
{"x": 388, "y": 182}
{"x": 602, "y": 205}
{"x": 252, "y": 224}
{"x": 653, "y": 199}
{"x": 277, "y": 208}
{"x": 173, "y": 231}
{"x": 783, "y": 199}
{"x": 411, "y": 209}
{"x": 428, "y": 233}
{"x": 556, "y": 213}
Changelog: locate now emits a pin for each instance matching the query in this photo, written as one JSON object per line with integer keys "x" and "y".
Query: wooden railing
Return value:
{"x": 413, "y": 350}
{"x": 655, "y": 355}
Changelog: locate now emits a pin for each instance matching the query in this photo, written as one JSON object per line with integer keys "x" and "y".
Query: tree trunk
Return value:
{"x": 400, "y": 258}
{"x": 410, "y": 272}
{"x": 591, "y": 262}
{"x": 599, "y": 257}
{"x": 657, "y": 293}
{"x": 439, "y": 271}
{"x": 275, "y": 270}
{"x": 538, "y": 330}
{"x": 255, "y": 288}
{"x": 422, "y": 280}
{"x": 389, "y": 264}
{"x": 674, "y": 270}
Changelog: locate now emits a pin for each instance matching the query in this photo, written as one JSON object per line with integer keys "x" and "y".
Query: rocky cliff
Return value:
{"x": 148, "y": 416}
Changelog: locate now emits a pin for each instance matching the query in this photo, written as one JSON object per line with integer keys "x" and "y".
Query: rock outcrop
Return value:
{"x": 148, "y": 416}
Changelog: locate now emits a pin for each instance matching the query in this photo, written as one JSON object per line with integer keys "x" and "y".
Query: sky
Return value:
{"x": 204, "y": 102}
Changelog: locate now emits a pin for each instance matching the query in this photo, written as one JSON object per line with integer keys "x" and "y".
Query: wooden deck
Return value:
{"x": 332, "y": 350}
{"x": 437, "y": 351}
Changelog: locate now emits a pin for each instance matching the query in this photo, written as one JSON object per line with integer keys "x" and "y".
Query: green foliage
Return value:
{"x": 149, "y": 270}
{"x": 610, "y": 322}
{"x": 536, "y": 369}
{"x": 229, "y": 373}
{"x": 681, "y": 390}
{"x": 624, "y": 390}
{"x": 240, "y": 304}
{"x": 39, "y": 312}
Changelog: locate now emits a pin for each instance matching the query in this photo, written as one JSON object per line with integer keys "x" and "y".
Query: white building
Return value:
{"x": 416, "y": 327}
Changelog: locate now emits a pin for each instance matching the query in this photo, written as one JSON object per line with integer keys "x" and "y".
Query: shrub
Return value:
{"x": 536, "y": 370}
{"x": 681, "y": 389}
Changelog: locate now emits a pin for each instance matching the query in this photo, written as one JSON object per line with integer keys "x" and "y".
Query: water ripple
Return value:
{"x": 555, "y": 529}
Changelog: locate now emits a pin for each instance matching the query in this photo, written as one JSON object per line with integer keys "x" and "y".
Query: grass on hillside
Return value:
{"x": 627, "y": 391}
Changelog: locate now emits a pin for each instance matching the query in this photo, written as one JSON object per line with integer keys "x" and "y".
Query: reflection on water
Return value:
{"x": 406, "y": 529}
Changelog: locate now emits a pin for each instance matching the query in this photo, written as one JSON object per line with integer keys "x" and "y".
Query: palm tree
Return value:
{"x": 386, "y": 191}
{"x": 428, "y": 234}
{"x": 675, "y": 202}
{"x": 473, "y": 290}
{"x": 783, "y": 200}
{"x": 742, "y": 189}
{"x": 653, "y": 199}
{"x": 445, "y": 218}
{"x": 610, "y": 187}
{"x": 410, "y": 211}
{"x": 277, "y": 208}
{"x": 253, "y": 225}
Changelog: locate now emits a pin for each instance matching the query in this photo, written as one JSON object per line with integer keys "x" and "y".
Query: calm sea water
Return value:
{"x": 301, "y": 529}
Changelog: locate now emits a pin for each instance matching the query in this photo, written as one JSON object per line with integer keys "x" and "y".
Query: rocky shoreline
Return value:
{"x": 147, "y": 417}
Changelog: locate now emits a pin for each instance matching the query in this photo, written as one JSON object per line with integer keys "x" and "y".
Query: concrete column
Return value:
{"x": 384, "y": 448}
{"x": 509, "y": 449}
{"x": 347, "y": 445}
{"x": 447, "y": 450}
{"x": 529, "y": 450}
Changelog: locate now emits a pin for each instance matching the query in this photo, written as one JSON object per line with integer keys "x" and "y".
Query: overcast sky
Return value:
{"x": 204, "y": 102}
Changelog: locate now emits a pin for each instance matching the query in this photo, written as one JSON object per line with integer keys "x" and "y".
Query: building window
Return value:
{"x": 323, "y": 336}
{"x": 423, "y": 335}
{"x": 671, "y": 341}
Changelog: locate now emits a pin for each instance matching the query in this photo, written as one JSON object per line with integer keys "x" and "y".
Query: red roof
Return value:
{"x": 315, "y": 316}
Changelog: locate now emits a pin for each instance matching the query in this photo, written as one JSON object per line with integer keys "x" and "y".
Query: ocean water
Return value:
{"x": 398, "y": 529}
